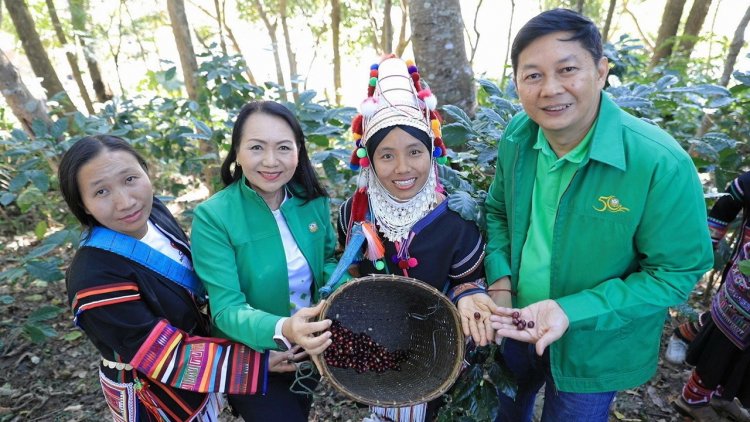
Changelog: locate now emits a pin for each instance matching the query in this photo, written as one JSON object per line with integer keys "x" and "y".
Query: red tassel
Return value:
{"x": 360, "y": 205}
{"x": 370, "y": 90}
{"x": 357, "y": 124}
{"x": 415, "y": 77}
{"x": 354, "y": 160}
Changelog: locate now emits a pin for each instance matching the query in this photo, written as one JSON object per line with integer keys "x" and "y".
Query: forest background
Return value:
{"x": 170, "y": 76}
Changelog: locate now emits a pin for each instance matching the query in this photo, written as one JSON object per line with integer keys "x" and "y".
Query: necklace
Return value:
{"x": 394, "y": 217}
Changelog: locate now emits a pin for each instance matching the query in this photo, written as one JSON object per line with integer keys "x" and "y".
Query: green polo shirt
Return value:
{"x": 553, "y": 176}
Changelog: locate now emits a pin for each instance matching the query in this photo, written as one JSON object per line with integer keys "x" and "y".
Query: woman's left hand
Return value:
{"x": 475, "y": 311}
{"x": 286, "y": 361}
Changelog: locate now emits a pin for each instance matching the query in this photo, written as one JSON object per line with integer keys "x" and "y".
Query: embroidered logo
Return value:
{"x": 611, "y": 204}
{"x": 312, "y": 227}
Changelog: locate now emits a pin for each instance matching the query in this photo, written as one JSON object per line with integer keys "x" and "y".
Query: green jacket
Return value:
{"x": 630, "y": 240}
{"x": 239, "y": 257}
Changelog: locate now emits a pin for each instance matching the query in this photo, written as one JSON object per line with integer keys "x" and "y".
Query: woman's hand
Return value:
{"x": 475, "y": 311}
{"x": 301, "y": 331}
{"x": 286, "y": 361}
{"x": 545, "y": 322}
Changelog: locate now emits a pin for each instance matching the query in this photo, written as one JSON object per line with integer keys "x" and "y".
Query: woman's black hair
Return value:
{"x": 558, "y": 20}
{"x": 83, "y": 151}
{"x": 304, "y": 175}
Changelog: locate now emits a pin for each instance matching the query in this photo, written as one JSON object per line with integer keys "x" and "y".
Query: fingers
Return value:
{"x": 316, "y": 345}
{"x": 465, "y": 325}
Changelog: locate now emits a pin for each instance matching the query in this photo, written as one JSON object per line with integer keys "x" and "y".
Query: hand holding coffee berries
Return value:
{"x": 360, "y": 352}
{"x": 540, "y": 323}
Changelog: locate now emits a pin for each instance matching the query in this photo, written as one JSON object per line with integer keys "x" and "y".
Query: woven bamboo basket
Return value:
{"x": 398, "y": 313}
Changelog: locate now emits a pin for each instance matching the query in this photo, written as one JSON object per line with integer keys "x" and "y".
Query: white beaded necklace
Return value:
{"x": 395, "y": 217}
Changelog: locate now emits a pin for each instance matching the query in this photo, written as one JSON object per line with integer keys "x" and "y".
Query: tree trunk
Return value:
{"x": 403, "y": 42}
{"x": 579, "y": 6}
{"x": 608, "y": 21}
{"x": 335, "y": 29}
{"x": 438, "y": 43}
{"x": 734, "y": 50}
{"x": 271, "y": 29}
{"x": 32, "y": 46}
{"x": 693, "y": 26}
{"x": 220, "y": 22}
{"x": 181, "y": 31}
{"x": 78, "y": 19}
{"x": 665, "y": 39}
{"x": 72, "y": 59}
{"x": 24, "y": 106}
{"x": 291, "y": 57}
{"x": 508, "y": 43}
{"x": 386, "y": 36}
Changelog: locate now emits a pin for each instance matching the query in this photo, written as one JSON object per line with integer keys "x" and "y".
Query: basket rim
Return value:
{"x": 326, "y": 373}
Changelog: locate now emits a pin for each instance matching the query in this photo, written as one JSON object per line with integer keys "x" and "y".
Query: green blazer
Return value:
{"x": 239, "y": 257}
{"x": 630, "y": 240}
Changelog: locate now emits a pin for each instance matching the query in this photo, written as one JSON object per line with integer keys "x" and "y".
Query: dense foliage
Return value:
{"x": 169, "y": 129}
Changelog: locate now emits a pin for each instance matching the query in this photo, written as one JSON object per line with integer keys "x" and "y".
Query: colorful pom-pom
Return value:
{"x": 424, "y": 93}
{"x": 394, "y": 259}
{"x": 361, "y": 152}
{"x": 373, "y": 73}
{"x": 364, "y": 162}
{"x": 403, "y": 264}
{"x": 437, "y": 152}
{"x": 358, "y": 142}
{"x": 413, "y": 69}
{"x": 354, "y": 167}
{"x": 410, "y": 62}
{"x": 442, "y": 160}
{"x": 373, "y": 81}
{"x": 379, "y": 265}
{"x": 368, "y": 107}
{"x": 415, "y": 78}
{"x": 370, "y": 90}
{"x": 357, "y": 136}
{"x": 374, "y": 66}
{"x": 431, "y": 102}
{"x": 413, "y": 262}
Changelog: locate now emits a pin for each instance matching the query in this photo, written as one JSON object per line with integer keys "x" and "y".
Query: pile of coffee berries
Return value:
{"x": 521, "y": 323}
{"x": 360, "y": 352}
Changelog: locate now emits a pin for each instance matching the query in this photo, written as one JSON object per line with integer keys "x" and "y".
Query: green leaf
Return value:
{"x": 463, "y": 203}
{"x": 455, "y": 134}
{"x": 18, "y": 182}
{"x": 6, "y": 198}
{"x": 58, "y": 128}
{"x": 44, "y": 270}
{"x": 7, "y": 299}
{"x": 490, "y": 88}
{"x": 40, "y": 229}
{"x": 12, "y": 274}
{"x": 202, "y": 127}
{"x": 73, "y": 335}
{"x": 39, "y": 333}
{"x": 45, "y": 313}
{"x": 40, "y": 250}
{"x": 458, "y": 115}
{"x": 40, "y": 179}
{"x": 307, "y": 96}
{"x": 28, "y": 198}
{"x": 170, "y": 73}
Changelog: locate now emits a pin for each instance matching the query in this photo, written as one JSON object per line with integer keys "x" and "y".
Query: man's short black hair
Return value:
{"x": 582, "y": 29}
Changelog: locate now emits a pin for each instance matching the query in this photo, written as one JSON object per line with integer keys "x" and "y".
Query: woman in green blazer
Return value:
{"x": 262, "y": 247}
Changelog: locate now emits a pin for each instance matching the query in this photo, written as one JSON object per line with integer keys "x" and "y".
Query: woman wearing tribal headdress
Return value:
{"x": 133, "y": 291}
{"x": 403, "y": 210}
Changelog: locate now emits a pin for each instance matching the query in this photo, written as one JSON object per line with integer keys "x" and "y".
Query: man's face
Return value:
{"x": 559, "y": 85}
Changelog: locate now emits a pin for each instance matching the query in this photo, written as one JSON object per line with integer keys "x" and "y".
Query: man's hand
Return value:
{"x": 286, "y": 361}
{"x": 549, "y": 323}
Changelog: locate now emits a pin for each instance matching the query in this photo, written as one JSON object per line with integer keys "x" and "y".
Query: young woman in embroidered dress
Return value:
{"x": 403, "y": 210}
{"x": 134, "y": 293}
{"x": 263, "y": 246}
{"x": 720, "y": 351}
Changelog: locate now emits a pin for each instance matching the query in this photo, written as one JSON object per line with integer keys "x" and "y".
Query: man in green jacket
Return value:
{"x": 596, "y": 222}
